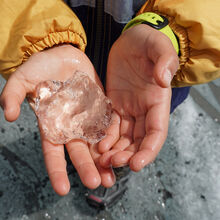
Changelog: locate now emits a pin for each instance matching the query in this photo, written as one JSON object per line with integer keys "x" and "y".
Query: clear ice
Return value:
{"x": 74, "y": 109}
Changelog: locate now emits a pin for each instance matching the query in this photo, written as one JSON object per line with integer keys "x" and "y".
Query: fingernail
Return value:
{"x": 167, "y": 77}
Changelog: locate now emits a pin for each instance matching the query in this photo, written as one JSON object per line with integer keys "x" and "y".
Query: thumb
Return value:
{"x": 166, "y": 61}
{"x": 11, "y": 98}
{"x": 165, "y": 69}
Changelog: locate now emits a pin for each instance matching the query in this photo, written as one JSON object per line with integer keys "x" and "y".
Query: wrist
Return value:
{"x": 157, "y": 22}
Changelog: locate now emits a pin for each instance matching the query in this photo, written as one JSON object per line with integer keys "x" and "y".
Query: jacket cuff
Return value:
{"x": 52, "y": 39}
{"x": 182, "y": 35}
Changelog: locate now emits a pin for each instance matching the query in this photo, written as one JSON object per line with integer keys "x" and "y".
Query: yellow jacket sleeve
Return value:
{"x": 197, "y": 25}
{"x": 28, "y": 26}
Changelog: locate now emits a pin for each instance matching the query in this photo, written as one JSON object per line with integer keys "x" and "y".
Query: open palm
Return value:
{"x": 57, "y": 63}
{"x": 140, "y": 67}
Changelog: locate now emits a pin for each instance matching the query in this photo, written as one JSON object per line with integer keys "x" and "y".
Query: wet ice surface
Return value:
{"x": 183, "y": 183}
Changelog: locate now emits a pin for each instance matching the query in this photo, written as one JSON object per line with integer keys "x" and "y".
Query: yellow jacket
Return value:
{"x": 29, "y": 26}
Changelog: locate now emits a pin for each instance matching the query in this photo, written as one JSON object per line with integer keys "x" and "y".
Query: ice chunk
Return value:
{"x": 74, "y": 109}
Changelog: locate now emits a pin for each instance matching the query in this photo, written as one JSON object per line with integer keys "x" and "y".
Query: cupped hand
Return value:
{"x": 141, "y": 65}
{"x": 58, "y": 63}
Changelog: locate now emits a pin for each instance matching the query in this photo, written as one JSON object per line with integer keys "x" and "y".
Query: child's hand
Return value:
{"x": 57, "y": 63}
{"x": 141, "y": 65}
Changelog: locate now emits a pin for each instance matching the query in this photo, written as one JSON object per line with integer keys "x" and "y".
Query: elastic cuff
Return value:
{"x": 53, "y": 39}
{"x": 179, "y": 79}
{"x": 182, "y": 35}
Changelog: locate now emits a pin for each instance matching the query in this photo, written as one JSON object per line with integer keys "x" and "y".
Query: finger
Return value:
{"x": 123, "y": 150}
{"x": 112, "y": 134}
{"x": 107, "y": 174}
{"x": 105, "y": 159}
{"x": 127, "y": 126}
{"x": 165, "y": 69}
{"x": 122, "y": 158}
{"x": 165, "y": 58}
{"x": 11, "y": 98}
{"x": 126, "y": 132}
{"x": 56, "y": 167}
{"x": 156, "y": 124}
{"x": 139, "y": 128}
{"x": 81, "y": 158}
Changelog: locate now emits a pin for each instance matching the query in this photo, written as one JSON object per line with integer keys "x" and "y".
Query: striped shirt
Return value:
{"x": 103, "y": 21}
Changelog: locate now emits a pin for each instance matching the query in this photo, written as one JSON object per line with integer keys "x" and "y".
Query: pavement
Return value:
{"x": 183, "y": 182}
